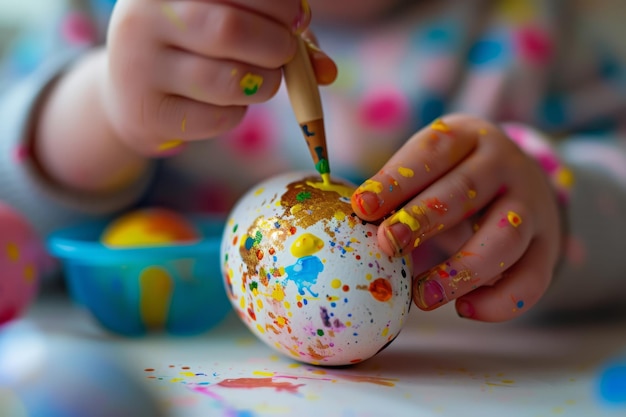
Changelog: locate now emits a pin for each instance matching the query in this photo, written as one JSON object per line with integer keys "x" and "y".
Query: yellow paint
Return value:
{"x": 278, "y": 293}
{"x": 440, "y": 126}
{"x": 340, "y": 215}
{"x": 250, "y": 84}
{"x": 406, "y": 172}
{"x": 372, "y": 186}
{"x": 263, "y": 373}
{"x": 417, "y": 242}
{"x": 175, "y": 380}
{"x": 170, "y": 144}
{"x": 12, "y": 251}
{"x": 183, "y": 124}
{"x": 259, "y": 303}
{"x": 233, "y": 72}
{"x": 260, "y": 328}
{"x": 368, "y": 277}
{"x": 483, "y": 131}
{"x": 170, "y": 14}
{"x": 426, "y": 168}
{"x": 471, "y": 194}
{"x": 306, "y": 245}
{"x": 404, "y": 217}
{"x": 259, "y": 192}
{"x": 341, "y": 189}
{"x": 326, "y": 179}
{"x": 294, "y": 365}
{"x": 385, "y": 332}
{"x": 30, "y": 272}
{"x": 156, "y": 287}
{"x": 565, "y": 178}
{"x": 335, "y": 283}
{"x": 187, "y": 374}
{"x": 514, "y": 218}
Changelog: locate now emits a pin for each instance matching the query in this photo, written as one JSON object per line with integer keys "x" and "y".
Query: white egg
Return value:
{"x": 306, "y": 275}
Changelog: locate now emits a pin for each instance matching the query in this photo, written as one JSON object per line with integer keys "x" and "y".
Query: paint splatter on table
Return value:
{"x": 440, "y": 366}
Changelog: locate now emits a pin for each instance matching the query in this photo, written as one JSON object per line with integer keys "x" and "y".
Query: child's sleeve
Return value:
{"x": 22, "y": 185}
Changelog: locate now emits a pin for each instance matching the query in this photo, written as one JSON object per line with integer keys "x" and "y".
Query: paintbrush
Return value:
{"x": 304, "y": 95}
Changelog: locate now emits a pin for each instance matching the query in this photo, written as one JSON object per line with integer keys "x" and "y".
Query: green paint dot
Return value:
{"x": 305, "y": 195}
{"x": 323, "y": 167}
{"x": 320, "y": 332}
{"x": 250, "y": 91}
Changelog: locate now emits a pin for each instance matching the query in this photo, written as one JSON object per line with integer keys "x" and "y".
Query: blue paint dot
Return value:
{"x": 333, "y": 305}
{"x": 553, "y": 110}
{"x": 520, "y": 304}
{"x": 249, "y": 243}
{"x": 304, "y": 301}
{"x": 613, "y": 384}
{"x": 485, "y": 51}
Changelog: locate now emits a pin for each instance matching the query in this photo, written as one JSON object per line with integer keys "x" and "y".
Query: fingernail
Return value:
{"x": 367, "y": 202}
{"x": 465, "y": 310}
{"x": 399, "y": 236}
{"x": 302, "y": 20}
{"x": 429, "y": 294}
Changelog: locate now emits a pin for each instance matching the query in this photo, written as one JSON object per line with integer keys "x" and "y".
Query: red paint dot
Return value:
{"x": 388, "y": 109}
{"x": 381, "y": 289}
{"x": 78, "y": 29}
{"x": 293, "y": 230}
{"x": 534, "y": 45}
{"x": 346, "y": 288}
{"x": 259, "y": 254}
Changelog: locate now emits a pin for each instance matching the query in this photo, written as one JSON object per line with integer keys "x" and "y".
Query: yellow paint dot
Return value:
{"x": 305, "y": 245}
{"x": 440, "y": 126}
{"x": 260, "y": 328}
{"x": 406, "y": 172}
{"x": 259, "y": 191}
{"x": 259, "y": 303}
{"x": 335, "y": 283}
{"x": 171, "y": 144}
{"x": 404, "y": 217}
{"x": 233, "y": 72}
{"x": 372, "y": 186}
{"x": 170, "y": 14}
{"x": 471, "y": 194}
{"x": 426, "y": 168}
{"x": 263, "y": 373}
{"x": 12, "y": 251}
{"x": 385, "y": 332}
{"x": 183, "y": 124}
{"x": 483, "y": 131}
{"x": 185, "y": 373}
{"x": 30, "y": 272}
{"x": 417, "y": 242}
{"x": 565, "y": 178}
{"x": 250, "y": 83}
{"x": 514, "y": 218}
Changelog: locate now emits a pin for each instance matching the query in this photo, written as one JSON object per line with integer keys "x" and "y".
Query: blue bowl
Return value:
{"x": 175, "y": 288}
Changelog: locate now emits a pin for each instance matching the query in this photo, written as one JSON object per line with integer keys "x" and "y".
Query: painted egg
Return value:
{"x": 22, "y": 257}
{"x": 306, "y": 275}
{"x": 149, "y": 227}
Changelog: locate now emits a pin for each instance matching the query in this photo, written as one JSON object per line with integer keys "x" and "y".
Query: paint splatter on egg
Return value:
{"x": 149, "y": 227}
{"x": 306, "y": 275}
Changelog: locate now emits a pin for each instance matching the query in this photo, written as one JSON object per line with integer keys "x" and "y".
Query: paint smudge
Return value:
{"x": 513, "y": 218}
{"x": 254, "y": 383}
{"x": 170, "y": 14}
{"x": 440, "y": 126}
{"x": 381, "y": 289}
{"x": 250, "y": 84}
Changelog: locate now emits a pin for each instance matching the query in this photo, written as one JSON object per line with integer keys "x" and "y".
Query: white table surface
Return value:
{"x": 440, "y": 365}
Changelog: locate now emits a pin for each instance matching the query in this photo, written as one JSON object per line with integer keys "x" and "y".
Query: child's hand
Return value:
{"x": 187, "y": 70}
{"x": 457, "y": 169}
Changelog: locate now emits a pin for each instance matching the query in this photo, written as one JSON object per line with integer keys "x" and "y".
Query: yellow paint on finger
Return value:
{"x": 440, "y": 126}
{"x": 170, "y": 14}
{"x": 406, "y": 172}
{"x": 514, "y": 219}
{"x": 250, "y": 83}
{"x": 404, "y": 217}
{"x": 183, "y": 124}
{"x": 371, "y": 186}
{"x": 156, "y": 288}
{"x": 171, "y": 144}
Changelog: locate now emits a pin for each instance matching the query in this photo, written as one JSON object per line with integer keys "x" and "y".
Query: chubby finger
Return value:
{"x": 500, "y": 241}
{"x": 220, "y": 30}
{"x": 177, "y": 120}
{"x": 470, "y": 186}
{"x": 519, "y": 288}
{"x": 426, "y": 157}
{"x": 214, "y": 81}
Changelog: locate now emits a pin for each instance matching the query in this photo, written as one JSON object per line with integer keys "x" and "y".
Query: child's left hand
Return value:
{"x": 461, "y": 168}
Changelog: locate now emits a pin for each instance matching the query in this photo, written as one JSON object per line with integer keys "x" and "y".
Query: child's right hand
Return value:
{"x": 186, "y": 70}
